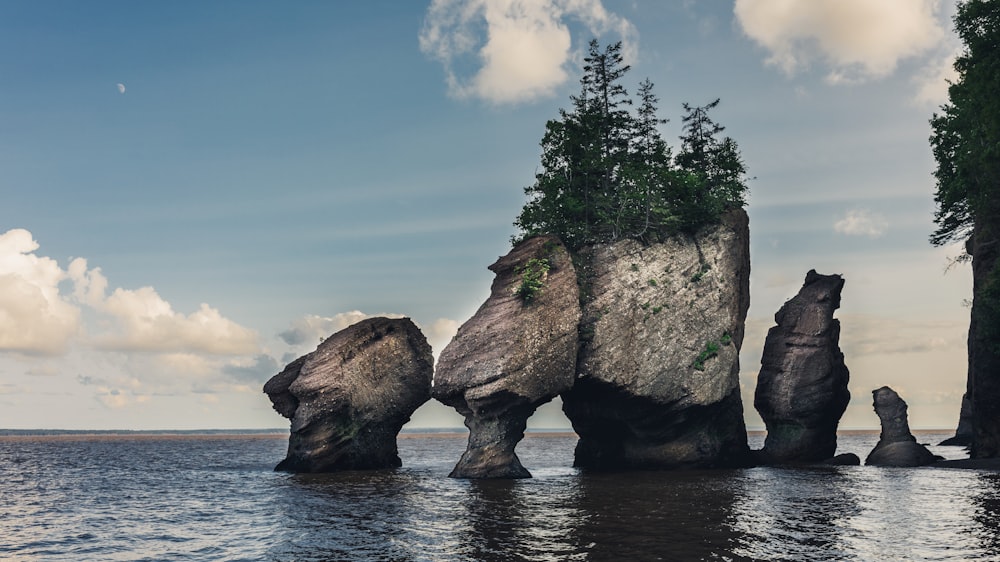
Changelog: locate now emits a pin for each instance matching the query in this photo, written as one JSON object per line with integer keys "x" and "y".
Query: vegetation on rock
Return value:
{"x": 607, "y": 173}
{"x": 966, "y": 146}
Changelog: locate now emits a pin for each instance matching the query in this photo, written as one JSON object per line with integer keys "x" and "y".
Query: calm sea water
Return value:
{"x": 216, "y": 498}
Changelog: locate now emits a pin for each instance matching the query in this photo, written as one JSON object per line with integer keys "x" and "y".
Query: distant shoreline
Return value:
{"x": 124, "y": 434}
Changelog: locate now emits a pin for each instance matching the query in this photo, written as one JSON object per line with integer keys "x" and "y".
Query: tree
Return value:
{"x": 608, "y": 174}
{"x": 966, "y": 144}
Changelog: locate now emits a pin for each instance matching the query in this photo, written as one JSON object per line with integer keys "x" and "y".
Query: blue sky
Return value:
{"x": 195, "y": 192}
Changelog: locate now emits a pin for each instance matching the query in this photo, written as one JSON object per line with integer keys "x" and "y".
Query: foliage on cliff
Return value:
{"x": 966, "y": 145}
{"x": 966, "y": 135}
{"x": 608, "y": 174}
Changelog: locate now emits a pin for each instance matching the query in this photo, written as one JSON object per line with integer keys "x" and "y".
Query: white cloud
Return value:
{"x": 521, "y": 47}
{"x": 932, "y": 82}
{"x": 36, "y": 318}
{"x": 862, "y": 222}
{"x": 142, "y": 321}
{"x": 440, "y": 332}
{"x": 312, "y": 329}
{"x": 856, "y": 39}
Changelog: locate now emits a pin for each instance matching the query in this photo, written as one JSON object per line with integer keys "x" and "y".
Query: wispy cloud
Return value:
{"x": 856, "y": 40}
{"x": 519, "y": 49}
{"x": 862, "y": 222}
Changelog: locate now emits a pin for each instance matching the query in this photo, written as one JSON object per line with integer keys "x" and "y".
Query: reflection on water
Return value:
{"x": 217, "y": 499}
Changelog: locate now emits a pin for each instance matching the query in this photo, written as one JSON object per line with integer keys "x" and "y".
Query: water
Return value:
{"x": 216, "y": 498}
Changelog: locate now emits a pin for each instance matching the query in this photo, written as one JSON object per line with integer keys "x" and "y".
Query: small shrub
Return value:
{"x": 533, "y": 276}
{"x": 653, "y": 283}
{"x": 701, "y": 272}
{"x": 726, "y": 339}
{"x": 711, "y": 350}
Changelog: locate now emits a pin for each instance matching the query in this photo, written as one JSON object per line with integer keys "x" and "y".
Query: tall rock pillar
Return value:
{"x": 802, "y": 386}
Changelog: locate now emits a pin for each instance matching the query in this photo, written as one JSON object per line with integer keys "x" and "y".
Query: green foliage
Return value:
{"x": 701, "y": 272}
{"x": 533, "y": 276}
{"x": 711, "y": 350}
{"x": 606, "y": 172}
{"x": 726, "y": 339}
{"x": 966, "y": 135}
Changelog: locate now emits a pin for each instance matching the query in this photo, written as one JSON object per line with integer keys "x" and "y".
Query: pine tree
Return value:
{"x": 966, "y": 146}
{"x": 608, "y": 174}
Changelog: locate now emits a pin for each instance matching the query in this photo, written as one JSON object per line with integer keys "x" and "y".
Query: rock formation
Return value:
{"x": 348, "y": 399}
{"x": 802, "y": 386}
{"x": 964, "y": 433}
{"x": 657, "y": 383}
{"x": 517, "y": 352}
{"x": 896, "y": 445}
{"x": 844, "y": 459}
{"x": 984, "y": 335}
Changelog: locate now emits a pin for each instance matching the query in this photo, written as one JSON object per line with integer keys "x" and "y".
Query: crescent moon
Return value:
{"x": 121, "y": 88}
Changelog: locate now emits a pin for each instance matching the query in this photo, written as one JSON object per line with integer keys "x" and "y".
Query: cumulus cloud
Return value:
{"x": 520, "y": 48}
{"x": 35, "y": 317}
{"x": 862, "y": 222}
{"x": 856, "y": 39}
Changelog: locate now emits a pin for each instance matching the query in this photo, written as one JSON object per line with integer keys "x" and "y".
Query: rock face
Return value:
{"x": 517, "y": 352}
{"x": 896, "y": 445}
{"x": 348, "y": 399}
{"x": 984, "y": 335}
{"x": 802, "y": 386}
{"x": 657, "y": 383}
{"x": 964, "y": 433}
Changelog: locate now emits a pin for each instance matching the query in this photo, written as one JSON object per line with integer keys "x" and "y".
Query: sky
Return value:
{"x": 195, "y": 193}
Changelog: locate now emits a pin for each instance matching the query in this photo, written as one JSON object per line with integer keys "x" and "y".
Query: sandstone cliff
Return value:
{"x": 348, "y": 399}
{"x": 802, "y": 386}
{"x": 517, "y": 352}
{"x": 657, "y": 383}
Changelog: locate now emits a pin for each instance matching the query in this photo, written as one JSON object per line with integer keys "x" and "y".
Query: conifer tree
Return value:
{"x": 607, "y": 173}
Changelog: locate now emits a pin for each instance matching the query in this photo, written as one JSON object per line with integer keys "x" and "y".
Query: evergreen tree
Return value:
{"x": 608, "y": 174}
{"x": 966, "y": 145}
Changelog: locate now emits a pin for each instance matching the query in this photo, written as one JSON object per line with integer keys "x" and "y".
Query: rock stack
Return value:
{"x": 896, "y": 445}
{"x": 802, "y": 386}
{"x": 348, "y": 399}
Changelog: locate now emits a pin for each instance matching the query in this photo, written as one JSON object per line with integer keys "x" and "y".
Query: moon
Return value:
{"x": 121, "y": 88}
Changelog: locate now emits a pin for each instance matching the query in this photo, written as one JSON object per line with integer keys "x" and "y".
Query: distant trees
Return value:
{"x": 606, "y": 172}
{"x": 966, "y": 145}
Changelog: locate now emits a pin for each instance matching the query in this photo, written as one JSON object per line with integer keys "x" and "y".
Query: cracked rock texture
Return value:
{"x": 512, "y": 356}
{"x": 348, "y": 399}
{"x": 658, "y": 370}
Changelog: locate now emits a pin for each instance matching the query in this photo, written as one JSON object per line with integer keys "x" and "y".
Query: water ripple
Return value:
{"x": 218, "y": 499}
